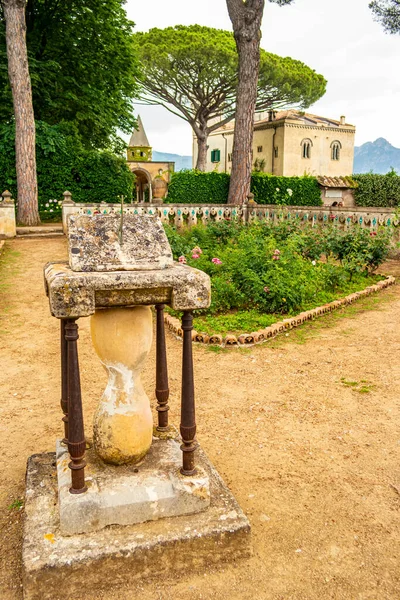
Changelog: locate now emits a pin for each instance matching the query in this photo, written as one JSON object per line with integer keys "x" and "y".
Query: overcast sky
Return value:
{"x": 337, "y": 38}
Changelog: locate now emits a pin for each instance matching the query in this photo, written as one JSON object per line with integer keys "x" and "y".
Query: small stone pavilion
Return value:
{"x": 152, "y": 177}
{"x": 124, "y": 499}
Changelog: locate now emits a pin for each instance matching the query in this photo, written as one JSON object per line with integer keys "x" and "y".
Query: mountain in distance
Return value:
{"x": 378, "y": 157}
{"x": 181, "y": 162}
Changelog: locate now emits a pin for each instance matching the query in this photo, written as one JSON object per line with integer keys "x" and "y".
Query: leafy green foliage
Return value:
{"x": 277, "y": 269}
{"x": 192, "y": 71}
{"x": 387, "y": 12}
{"x": 377, "y": 190}
{"x": 198, "y": 187}
{"x": 64, "y": 164}
{"x": 295, "y": 191}
{"x": 82, "y": 66}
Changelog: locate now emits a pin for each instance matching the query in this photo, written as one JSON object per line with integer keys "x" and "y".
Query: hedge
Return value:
{"x": 295, "y": 191}
{"x": 377, "y": 190}
{"x": 63, "y": 164}
{"x": 197, "y": 187}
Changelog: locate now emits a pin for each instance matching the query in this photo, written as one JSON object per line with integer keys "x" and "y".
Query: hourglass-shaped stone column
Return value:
{"x": 123, "y": 424}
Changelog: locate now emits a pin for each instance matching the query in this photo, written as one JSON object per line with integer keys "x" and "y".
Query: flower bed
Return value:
{"x": 262, "y": 271}
{"x": 277, "y": 328}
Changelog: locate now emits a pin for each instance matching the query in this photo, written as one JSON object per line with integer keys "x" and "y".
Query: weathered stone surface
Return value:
{"x": 124, "y": 495}
{"x": 57, "y": 567}
{"x": 73, "y": 294}
{"x": 123, "y": 422}
{"x": 108, "y": 243}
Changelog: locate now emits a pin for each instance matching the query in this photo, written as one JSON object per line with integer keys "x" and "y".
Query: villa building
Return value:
{"x": 288, "y": 143}
{"x": 149, "y": 174}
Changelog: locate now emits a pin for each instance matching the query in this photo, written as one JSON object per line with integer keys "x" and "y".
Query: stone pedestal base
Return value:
{"x": 129, "y": 494}
{"x": 57, "y": 567}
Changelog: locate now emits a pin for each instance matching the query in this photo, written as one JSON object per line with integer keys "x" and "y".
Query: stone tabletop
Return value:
{"x": 117, "y": 243}
{"x": 74, "y": 294}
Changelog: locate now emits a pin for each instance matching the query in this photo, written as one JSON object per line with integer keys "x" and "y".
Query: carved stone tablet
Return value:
{"x": 97, "y": 243}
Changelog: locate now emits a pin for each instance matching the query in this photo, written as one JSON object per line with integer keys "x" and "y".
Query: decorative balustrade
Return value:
{"x": 192, "y": 214}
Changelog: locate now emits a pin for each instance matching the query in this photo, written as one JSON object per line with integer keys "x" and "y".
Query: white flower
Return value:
{"x": 47, "y": 204}
{"x": 289, "y": 191}
{"x": 277, "y": 189}
{"x": 51, "y": 210}
{"x": 313, "y": 262}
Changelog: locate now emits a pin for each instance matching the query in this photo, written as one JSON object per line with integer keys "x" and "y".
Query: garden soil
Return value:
{"x": 305, "y": 431}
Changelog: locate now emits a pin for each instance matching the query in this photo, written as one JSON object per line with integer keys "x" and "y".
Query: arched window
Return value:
{"x": 335, "y": 150}
{"x": 306, "y": 145}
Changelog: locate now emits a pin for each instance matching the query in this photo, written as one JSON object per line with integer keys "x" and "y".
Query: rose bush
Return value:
{"x": 278, "y": 268}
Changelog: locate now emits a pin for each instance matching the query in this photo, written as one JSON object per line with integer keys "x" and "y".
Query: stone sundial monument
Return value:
{"x": 129, "y": 500}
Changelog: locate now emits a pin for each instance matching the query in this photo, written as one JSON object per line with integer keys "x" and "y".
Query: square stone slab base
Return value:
{"x": 129, "y": 494}
{"x": 58, "y": 567}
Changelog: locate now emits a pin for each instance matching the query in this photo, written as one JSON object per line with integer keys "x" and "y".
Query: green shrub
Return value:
{"x": 197, "y": 187}
{"x": 63, "y": 164}
{"x": 377, "y": 190}
{"x": 295, "y": 191}
{"x": 273, "y": 269}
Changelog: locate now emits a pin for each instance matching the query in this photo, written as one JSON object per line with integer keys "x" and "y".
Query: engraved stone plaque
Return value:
{"x": 109, "y": 243}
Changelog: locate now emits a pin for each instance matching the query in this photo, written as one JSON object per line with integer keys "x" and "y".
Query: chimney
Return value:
{"x": 343, "y": 120}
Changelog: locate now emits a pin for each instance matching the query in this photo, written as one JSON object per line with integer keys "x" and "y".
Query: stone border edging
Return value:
{"x": 263, "y": 335}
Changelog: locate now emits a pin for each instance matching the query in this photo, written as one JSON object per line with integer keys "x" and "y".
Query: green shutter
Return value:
{"x": 215, "y": 156}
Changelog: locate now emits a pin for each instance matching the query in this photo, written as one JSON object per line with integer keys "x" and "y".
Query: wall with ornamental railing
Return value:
{"x": 191, "y": 214}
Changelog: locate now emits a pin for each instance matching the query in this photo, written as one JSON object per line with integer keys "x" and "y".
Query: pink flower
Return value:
{"x": 275, "y": 257}
{"x": 195, "y": 256}
{"x": 277, "y": 252}
{"x": 216, "y": 261}
{"x": 182, "y": 260}
{"x": 266, "y": 290}
{"x": 197, "y": 250}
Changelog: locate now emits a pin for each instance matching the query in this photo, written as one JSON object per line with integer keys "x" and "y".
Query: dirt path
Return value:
{"x": 312, "y": 459}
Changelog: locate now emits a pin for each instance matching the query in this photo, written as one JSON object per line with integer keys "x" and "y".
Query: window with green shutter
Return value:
{"x": 215, "y": 156}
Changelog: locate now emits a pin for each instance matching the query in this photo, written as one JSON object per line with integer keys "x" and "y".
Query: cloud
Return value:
{"x": 337, "y": 38}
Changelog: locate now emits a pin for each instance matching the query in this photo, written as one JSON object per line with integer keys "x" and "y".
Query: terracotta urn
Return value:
{"x": 159, "y": 187}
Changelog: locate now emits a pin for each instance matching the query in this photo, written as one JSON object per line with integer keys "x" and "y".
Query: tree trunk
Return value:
{"x": 246, "y": 20}
{"x": 201, "y": 163}
{"x": 18, "y": 72}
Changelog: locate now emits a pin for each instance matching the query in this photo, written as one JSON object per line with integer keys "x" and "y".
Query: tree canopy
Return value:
{"x": 82, "y": 66}
{"x": 387, "y": 12}
{"x": 192, "y": 71}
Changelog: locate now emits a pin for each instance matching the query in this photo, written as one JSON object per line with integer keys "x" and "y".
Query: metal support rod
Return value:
{"x": 162, "y": 389}
{"x": 76, "y": 434}
{"x": 64, "y": 381}
{"x": 188, "y": 417}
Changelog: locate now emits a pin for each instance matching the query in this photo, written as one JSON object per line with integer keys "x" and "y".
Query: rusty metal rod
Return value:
{"x": 76, "y": 434}
{"x": 162, "y": 389}
{"x": 64, "y": 380}
{"x": 188, "y": 416}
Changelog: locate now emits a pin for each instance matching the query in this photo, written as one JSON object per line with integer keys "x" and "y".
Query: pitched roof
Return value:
{"x": 139, "y": 137}
{"x": 290, "y": 115}
{"x": 336, "y": 182}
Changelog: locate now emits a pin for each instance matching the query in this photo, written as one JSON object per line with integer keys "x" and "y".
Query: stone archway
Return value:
{"x": 143, "y": 185}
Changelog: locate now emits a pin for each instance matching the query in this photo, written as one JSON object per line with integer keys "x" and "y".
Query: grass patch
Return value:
{"x": 17, "y": 504}
{"x": 362, "y": 387}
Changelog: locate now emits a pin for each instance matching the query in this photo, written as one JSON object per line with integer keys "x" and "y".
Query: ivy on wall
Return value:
{"x": 63, "y": 164}
{"x": 377, "y": 190}
{"x": 197, "y": 187}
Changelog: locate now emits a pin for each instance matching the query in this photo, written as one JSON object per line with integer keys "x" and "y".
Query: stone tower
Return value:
{"x": 139, "y": 149}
